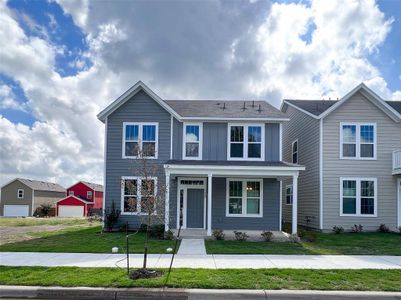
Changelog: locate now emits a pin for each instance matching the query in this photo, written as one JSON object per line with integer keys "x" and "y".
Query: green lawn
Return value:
{"x": 11, "y": 222}
{"x": 87, "y": 239}
{"x": 361, "y": 280}
{"x": 369, "y": 243}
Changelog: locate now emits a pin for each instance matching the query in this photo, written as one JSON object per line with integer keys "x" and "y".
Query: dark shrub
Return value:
{"x": 157, "y": 231}
{"x": 111, "y": 215}
{"x": 143, "y": 228}
{"x": 310, "y": 236}
{"x": 240, "y": 236}
{"x": 399, "y": 229}
{"x": 338, "y": 229}
{"x": 169, "y": 235}
{"x": 124, "y": 227}
{"x": 357, "y": 228}
{"x": 383, "y": 228}
{"x": 218, "y": 234}
{"x": 267, "y": 235}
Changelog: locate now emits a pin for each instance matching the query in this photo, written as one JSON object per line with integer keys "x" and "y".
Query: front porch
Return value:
{"x": 202, "y": 196}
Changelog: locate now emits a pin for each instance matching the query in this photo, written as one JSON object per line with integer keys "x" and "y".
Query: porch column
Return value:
{"x": 294, "y": 203}
{"x": 209, "y": 204}
{"x": 167, "y": 203}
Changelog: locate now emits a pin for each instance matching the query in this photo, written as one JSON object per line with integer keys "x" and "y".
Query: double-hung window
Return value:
{"x": 138, "y": 195}
{"x": 192, "y": 141}
{"x": 358, "y": 141}
{"x": 89, "y": 195}
{"x": 244, "y": 198}
{"x": 294, "y": 148}
{"x": 288, "y": 194}
{"x": 245, "y": 142}
{"x": 140, "y": 140}
{"x": 20, "y": 193}
{"x": 358, "y": 197}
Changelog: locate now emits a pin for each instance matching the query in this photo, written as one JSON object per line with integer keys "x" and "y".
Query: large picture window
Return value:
{"x": 244, "y": 198}
{"x": 358, "y": 196}
{"x": 358, "y": 141}
{"x": 246, "y": 142}
{"x": 140, "y": 138}
{"x": 138, "y": 195}
{"x": 192, "y": 141}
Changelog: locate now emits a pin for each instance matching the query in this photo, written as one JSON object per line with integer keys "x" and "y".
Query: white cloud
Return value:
{"x": 7, "y": 99}
{"x": 78, "y": 9}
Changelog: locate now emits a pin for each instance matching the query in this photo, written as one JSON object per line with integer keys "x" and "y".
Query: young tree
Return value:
{"x": 148, "y": 197}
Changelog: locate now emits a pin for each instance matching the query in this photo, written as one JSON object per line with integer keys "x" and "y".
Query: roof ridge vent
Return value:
{"x": 244, "y": 107}
{"x": 259, "y": 109}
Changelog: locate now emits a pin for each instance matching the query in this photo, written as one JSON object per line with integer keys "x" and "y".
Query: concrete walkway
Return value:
{"x": 202, "y": 261}
{"x": 192, "y": 247}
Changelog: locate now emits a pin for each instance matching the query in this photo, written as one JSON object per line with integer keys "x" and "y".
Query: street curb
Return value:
{"x": 36, "y": 292}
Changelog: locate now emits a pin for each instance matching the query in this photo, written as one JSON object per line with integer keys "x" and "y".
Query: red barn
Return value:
{"x": 82, "y": 198}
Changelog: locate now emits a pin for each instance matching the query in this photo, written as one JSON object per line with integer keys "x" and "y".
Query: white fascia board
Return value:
{"x": 220, "y": 119}
{"x": 128, "y": 94}
{"x": 302, "y": 110}
{"x": 79, "y": 199}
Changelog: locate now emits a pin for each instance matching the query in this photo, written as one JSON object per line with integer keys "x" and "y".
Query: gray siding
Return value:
{"x": 214, "y": 141}
{"x": 46, "y": 197}
{"x": 140, "y": 108}
{"x": 272, "y": 142}
{"x": 9, "y": 196}
{"x": 271, "y": 204}
{"x": 359, "y": 109}
{"x": 306, "y": 130}
{"x": 177, "y": 139}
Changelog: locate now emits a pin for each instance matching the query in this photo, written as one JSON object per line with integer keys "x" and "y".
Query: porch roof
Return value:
{"x": 232, "y": 168}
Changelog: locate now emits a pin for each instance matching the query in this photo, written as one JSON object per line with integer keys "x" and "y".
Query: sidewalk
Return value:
{"x": 202, "y": 261}
{"x": 33, "y": 292}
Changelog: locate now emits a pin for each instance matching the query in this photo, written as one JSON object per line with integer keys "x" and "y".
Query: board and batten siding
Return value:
{"x": 360, "y": 109}
{"x": 140, "y": 108}
{"x": 306, "y": 129}
{"x": 214, "y": 141}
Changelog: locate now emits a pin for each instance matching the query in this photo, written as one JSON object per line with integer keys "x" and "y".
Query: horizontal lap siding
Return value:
{"x": 140, "y": 108}
{"x": 47, "y": 197}
{"x": 271, "y": 204}
{"x": 306, "y": 130}
{"x": 359, "y": 109}
{"x": 9, "y": 196}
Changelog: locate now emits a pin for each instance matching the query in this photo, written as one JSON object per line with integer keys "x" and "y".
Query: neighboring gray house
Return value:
{"x": 221, "y": 160}
{"x": 351, "y": 149}
{"x": 21, "y": 197}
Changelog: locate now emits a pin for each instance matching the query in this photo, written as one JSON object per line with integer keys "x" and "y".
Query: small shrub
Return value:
{"x": 399, "y": 229}
{"x": 267, "y": 236}
{"x": 124, "y": 227}
{"x": 338, "y": 229}
{"x": 169, "y": 235}
{"x": 143, "y": 227}
{"x": 157, "y": 231}
{"x": 383, "y": 228}
{"x": 294, "y": 238}
{"x": 240, "y": 236}
{"x": 357, "y": 228}
{"x": 111, "y": 216}
{"x": 218, "y": 234}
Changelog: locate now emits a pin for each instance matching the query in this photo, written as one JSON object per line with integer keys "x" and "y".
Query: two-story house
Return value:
{"x": 220, "y": 161}
{"x": 81, "y": 199}
{"x": 351, "y": 149}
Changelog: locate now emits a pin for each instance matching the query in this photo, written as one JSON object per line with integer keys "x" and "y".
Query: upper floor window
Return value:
{"x": 246, "y": 142}
{"x": 140, "y": 139}
{"x": 192, "y": 141}
{"x": 358, "y": 196}
{"x": 358, "y": 141}
{"x": 294, "y": 152}
{"x": 89, "y": 195}
{"x": 20, "y": 193}
{"x": 138, "y": 195}
{"x": 244, "y": 198}
{"x": 70, "y": 193}
{"x": 288, "y": 194}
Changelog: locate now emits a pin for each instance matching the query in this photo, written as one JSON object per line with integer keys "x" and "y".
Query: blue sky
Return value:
{"x": 66, "y": 60}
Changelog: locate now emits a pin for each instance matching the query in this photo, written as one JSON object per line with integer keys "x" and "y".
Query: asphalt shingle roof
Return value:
{"x": 231, "y": 163}
{"x": 42, "y": 185}
{"x": 224, "y": 109}
{"x": 315, "y": 107}
{"x": 95, "y": 186}
{"x": 395, "y": 104}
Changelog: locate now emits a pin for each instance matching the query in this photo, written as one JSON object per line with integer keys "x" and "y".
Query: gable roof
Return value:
{"x": 93, "y": 186}
{"x": 77, "y": 198}
{"x": 201, "y": 109}
{"x": 38, "y": 185}
{"x": 321, "y": 108}
{"x": 227, "y": 109}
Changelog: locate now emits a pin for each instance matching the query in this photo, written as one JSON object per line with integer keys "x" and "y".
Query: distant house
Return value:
{"x": 80, "y": 200}
{"x": 21, "y": 197}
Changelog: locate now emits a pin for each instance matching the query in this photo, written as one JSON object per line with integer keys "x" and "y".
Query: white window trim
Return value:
{"x": 358, "y": 141}
{"x": 244, "y": 215}
{"x": 199, "y": 157}
{"x": 140, "y": 141}
{"x": 286, "y": 187}
{"x": 139, "y": 196}
{"x": 292, "y": 151}
{"x": 87, "y": 195}
{"x": 23, "y": 193}
{"x": 70, "y": 193}
{"x": 245, "y": 146}
{"x": 358, "y": 196}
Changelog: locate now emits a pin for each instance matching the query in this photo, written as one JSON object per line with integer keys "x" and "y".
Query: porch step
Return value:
{"x": 191, "y": 233}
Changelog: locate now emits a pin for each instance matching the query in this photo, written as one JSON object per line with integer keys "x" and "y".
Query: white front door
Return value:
{"x": 16, "y": 210}
{"x": 70, "y": 211}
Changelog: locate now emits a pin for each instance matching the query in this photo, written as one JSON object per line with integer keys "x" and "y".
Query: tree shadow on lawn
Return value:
{"x": 85, "y": 240}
